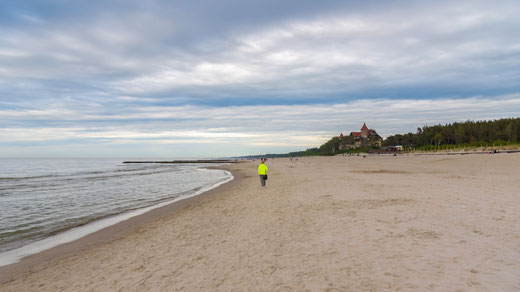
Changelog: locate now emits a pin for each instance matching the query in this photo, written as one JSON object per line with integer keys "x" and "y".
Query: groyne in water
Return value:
{"x": 186, "y": 161}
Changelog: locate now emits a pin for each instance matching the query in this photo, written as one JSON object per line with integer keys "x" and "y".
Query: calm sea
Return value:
{"x": 45, "y": 202}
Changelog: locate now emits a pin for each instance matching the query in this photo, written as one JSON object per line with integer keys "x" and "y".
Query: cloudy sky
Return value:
{"x": 212, "y": 78}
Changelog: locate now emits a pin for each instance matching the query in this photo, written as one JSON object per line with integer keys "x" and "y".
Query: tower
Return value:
{"x": 364, "y": 131}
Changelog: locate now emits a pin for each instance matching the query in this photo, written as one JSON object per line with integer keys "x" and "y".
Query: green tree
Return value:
{"x": 459, "y": 134}
{"x": 330, "y": 146}
{"x": 347, "y": 140}
{"x": 438, "y": 138}
{"x": 509, "y": 130}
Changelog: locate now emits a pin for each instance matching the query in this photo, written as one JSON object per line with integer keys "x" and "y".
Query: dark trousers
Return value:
{"x": 262, "y": 180}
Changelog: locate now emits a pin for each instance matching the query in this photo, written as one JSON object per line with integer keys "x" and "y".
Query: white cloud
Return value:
{"x": 273, "y": 127}
{"x": 143, "y": 73}
{"x": 349, "y": 50}
{"x": 344, "y": 52}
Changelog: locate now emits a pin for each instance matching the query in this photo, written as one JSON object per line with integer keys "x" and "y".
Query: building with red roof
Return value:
{"x": 365, "y": 137}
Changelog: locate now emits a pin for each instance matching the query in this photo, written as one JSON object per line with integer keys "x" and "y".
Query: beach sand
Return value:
{"x": 380, "y": 223}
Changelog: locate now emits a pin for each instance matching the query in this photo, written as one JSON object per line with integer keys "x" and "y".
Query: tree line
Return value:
{"x": 472, "y": 133}
{"x": 500, "y": 131}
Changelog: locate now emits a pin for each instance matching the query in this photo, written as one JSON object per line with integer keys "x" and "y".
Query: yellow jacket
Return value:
{"x": 262, "y": 169}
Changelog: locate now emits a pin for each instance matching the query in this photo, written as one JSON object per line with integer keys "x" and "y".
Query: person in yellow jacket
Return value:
{"x": 262, "y": 172}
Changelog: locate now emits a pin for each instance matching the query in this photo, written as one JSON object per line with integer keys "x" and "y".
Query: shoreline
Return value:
{"x": 37, "y": 261}
{"x": 76, "y": 232}
{"x": 405, "y": 223}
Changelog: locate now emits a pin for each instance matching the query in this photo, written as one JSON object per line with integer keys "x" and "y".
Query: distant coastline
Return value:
{"x": 465, "y": 137}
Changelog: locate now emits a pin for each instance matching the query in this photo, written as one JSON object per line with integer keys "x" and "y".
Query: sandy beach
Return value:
{"x": 380, "y": 223}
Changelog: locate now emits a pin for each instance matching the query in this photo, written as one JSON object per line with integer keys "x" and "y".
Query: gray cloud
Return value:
{"x": 262, "y": 76}
{"x": 269, "y": 128}
{"x": 181, "y": 50}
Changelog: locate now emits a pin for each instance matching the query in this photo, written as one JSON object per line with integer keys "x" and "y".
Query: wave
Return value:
{"x": 27, "y": 177}
{"x": 80, "y": 173}
{"x": 92, "y": 224}
{"x": 58, "y": 180}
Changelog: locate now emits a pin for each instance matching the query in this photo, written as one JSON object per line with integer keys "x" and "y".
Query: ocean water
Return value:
{"x": 46, "y": 202}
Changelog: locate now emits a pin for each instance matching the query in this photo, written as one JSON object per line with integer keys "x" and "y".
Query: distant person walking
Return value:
{"x": 262, "y": 172}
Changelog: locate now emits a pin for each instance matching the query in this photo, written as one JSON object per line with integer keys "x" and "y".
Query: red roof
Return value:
{"x": 364, "y": 128}
{"x": 341, "y": 135}
{"x": 355, "y": 134}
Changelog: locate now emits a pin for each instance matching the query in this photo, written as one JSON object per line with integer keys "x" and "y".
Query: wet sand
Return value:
{"x": 405, "y": 223}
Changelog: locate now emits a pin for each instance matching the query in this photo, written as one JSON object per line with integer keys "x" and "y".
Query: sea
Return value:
{"x": 48, "y": 202}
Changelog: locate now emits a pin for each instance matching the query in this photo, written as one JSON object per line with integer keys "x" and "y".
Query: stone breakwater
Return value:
{"x": 185, "y": 161}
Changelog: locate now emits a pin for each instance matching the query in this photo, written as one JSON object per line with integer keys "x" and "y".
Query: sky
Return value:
{"x": 205, "y": 78}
